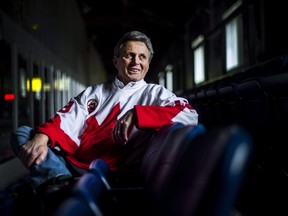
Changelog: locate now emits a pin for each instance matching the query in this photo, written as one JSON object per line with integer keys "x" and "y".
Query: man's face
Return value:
{"x": 133, "y": 62}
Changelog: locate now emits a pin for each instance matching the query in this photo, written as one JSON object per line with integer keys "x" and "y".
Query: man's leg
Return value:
{"x": 53, "y": 166}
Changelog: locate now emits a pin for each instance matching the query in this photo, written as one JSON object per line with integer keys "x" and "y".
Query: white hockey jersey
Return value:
{"x": 83, "y": 128}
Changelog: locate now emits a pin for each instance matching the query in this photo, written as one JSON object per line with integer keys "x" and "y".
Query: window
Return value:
{"x": 166, "y": 78}
{"x": 199, "y": 62}
{"x": 169, "y": 77}
{"x": 199, "y": 68}
{"x": 161, "y": 78}
{"x": 233, "y": 36}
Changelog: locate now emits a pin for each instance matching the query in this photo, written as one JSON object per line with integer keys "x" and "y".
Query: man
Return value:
{"x": 99, "y": 122}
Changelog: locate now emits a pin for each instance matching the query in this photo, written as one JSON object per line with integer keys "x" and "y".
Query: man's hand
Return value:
{"x": 120, "y": 131}
{"x": 34, "y": 151}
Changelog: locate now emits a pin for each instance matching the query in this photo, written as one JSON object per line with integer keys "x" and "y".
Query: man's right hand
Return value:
{"x": 34, "y": 151}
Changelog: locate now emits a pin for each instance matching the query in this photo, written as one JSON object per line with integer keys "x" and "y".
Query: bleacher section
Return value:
{"x": 256, "y": 99}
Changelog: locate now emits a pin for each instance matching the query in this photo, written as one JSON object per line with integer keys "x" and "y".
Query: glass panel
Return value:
{"x": 6, "y": 101}
{"x": 57, "y": 98}
{"x": 233, "y": 32}
{"x": 169, "y": 80}
{"x": 199, "y": 67}
{"x": 47, "y": 92}
{"x": 36, "y": 89}
{"x": 23, "y": 105}
{"x": 161, "y": 78}
{"x": 169, "y": 77}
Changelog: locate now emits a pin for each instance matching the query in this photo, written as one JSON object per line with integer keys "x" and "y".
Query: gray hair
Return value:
{"x": 134, "y": 36}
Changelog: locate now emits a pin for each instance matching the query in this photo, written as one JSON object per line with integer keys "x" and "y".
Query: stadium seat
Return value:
{"x": 190, "y": 171}
{"x": 209, "y": 175}
{"x": 87, "y": 199}
{"x": 159, "y": 163}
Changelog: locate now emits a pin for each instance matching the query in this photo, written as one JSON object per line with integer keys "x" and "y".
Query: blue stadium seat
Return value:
{"x": 75, "y": 206}
{"x": 87, "y": 199}
{"x": 209, "y": 175}
{"x": 159, "y": 163}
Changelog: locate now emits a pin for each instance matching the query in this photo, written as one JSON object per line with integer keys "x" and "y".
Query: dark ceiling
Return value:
{"x": 108, "y": 20}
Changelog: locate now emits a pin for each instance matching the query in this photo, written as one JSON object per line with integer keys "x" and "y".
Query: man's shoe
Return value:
{"x": 53, "y": 192}
{"x": 59, "y": 183}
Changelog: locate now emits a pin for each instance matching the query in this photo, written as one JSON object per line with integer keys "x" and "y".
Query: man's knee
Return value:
{"x": 20, "y": 136}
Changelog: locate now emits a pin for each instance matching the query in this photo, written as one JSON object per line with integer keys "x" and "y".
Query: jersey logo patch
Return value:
{"x": 91, "y": 105}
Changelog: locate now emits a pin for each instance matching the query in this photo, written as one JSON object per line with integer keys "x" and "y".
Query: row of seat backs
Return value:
{"x": 258, "y": 102}
{"x": 265, "y": 94}
{"x": 210, "y": 174}
{"x": 256, "y": 98}
{"x": 184, "y": 169}
{"x": 163, "y": 155}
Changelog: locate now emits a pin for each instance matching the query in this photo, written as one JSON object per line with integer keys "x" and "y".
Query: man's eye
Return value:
{"x": 128, "y": 56}
{"x": 142, "y": 57}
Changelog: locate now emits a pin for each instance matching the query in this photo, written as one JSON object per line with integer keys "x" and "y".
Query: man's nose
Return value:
{"x": 136, "y": 59}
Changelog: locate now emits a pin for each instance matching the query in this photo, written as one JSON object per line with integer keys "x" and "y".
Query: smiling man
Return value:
{"x": 102, "y": 120}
